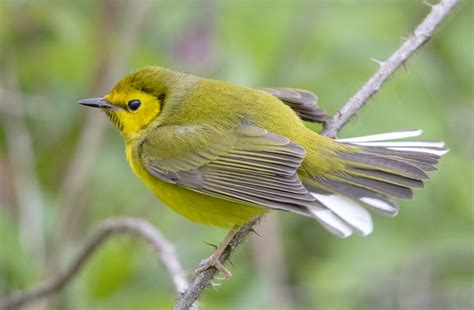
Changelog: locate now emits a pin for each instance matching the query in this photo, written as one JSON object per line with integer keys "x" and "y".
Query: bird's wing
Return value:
{"x": 303, "y": 102}
{"x": 247, "y": 165}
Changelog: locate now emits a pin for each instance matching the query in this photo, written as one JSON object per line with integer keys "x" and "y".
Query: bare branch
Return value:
{"x": 22, "y": 159}
{"x": 116, "y": 40}
{"x": 168, "y": 257}
{"x": 203, "y": 279}
{"x": 113, "y": 58}
{"x": 420, "y": 36}
{"x": 271, "y": 265}
{"x": 10, "y": 110}
{"x": 116, "y": 226}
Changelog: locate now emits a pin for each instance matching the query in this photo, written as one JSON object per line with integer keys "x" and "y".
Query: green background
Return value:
{"x": 55, "y": 191}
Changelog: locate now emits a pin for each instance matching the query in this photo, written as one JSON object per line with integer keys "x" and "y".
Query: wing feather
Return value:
{"x": 253, "y": 166}
{"x": 303, "y": 102}
{"x": 259, "y": 168}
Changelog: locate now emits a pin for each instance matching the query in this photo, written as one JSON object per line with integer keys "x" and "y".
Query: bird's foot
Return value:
{"x": 213, "y": 261}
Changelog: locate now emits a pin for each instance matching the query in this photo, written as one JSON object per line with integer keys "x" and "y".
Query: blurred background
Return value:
{"x": 63, "y": 170}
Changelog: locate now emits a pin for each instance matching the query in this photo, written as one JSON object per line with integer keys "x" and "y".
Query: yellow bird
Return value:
{"x": 219, "y": 154}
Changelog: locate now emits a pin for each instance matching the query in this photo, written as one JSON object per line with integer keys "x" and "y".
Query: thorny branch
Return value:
{"x": 143, "y": 229}
{"x": 115, "y": 226}
{"x": 21, "y": 157}
{"x": 113, "y": 53}
{"x": 420, "y": 36}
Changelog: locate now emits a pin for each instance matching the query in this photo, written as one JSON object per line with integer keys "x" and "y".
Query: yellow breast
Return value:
{"x": 194, "y": 206}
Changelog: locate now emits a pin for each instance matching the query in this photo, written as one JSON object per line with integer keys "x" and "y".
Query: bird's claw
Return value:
{"x": 212, "y": 261}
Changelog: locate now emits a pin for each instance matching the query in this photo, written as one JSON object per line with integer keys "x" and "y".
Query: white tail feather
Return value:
{"x": 380, "y": 205}
{"x": 384, "y": 136}
{"x": 351, "y": 212}
{"x": 403, "y": 144}
{"x": 331, "y": 222}
{"x": 439, "y": 152}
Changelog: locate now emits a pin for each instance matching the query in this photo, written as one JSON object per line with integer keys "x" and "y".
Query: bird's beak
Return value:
{"x": 96, "y": 103}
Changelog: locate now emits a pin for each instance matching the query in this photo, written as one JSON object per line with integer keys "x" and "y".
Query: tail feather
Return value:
{"x": 429, "y": 150}
{"x": 383, "y": 163}
{"x": 356, "y": 193}
{"x": 423, "y": 161}
{"x": 377, "y": 169}
{"x": 386, "y": 177}
{"x": 331, "y": 221}
{"x": 396, "y": 135}
{"x": 421, "y": 157}
{"x": 421, "y": 165}
{"x": 349, "y": 211}
{"x": 381, "y": 187}
{"x": 409, "y": 144}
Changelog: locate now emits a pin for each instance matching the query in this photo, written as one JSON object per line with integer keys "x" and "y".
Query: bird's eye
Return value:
{"x": 134, "y": 104}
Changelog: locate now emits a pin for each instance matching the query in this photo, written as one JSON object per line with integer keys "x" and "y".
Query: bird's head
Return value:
{"x": 136, "y": 100}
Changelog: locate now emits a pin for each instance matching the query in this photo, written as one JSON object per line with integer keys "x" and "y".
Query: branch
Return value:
{"x": 144, "y": 230}
{"x": 421, "y": 35}
{"x": 116, "y": 226}
{"x": 113, "y": 55}
{"x": 203, "y": 279}
{"x": 22, "y": 160}
{"x": 271, "y": 265}
{"x": 12, "y": 111}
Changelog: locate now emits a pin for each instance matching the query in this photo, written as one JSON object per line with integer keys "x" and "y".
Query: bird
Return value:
{"x": 219, "y": 154}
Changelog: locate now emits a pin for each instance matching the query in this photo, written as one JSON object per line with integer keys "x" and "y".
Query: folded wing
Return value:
{"x": 250, "y": 166}
{"x": 303, "y": 102}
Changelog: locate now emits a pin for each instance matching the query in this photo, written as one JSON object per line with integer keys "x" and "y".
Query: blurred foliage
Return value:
{"x": 53, "y": 52}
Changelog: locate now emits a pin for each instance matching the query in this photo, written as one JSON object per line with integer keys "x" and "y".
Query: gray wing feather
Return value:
{"x": 303, "y": 102}
{"x": 260, "y": 168}
{"x": 248, "y": 165}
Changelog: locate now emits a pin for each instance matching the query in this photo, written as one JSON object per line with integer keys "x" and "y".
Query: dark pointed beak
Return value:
{"x": 96, "y": 103}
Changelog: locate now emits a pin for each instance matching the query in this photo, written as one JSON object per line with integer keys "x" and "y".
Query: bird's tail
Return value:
{"x": 376, "y": 170}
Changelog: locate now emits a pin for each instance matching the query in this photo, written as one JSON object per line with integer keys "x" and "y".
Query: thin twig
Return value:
{"x": 420, "y": 36}
{"x": 270, "y": 264}
{"x": 113, "y": 53}
{"x": 203, "y": 279}
{"x": 22, "y": 159}
{"x": 10, "y": 110}
{"x": 116, "y": 226}
{"x": 143, "y": 229}
{"x": 113, "y": 58}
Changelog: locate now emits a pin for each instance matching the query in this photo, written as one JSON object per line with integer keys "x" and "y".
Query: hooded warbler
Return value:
{"x": 220, "y": 153}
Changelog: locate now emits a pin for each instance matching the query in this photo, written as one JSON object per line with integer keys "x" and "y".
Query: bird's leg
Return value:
{"x": 213, "y": 260}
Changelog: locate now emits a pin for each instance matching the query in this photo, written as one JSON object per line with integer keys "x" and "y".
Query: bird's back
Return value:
{"x": 226, "y": 105}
